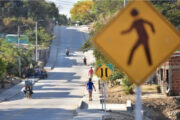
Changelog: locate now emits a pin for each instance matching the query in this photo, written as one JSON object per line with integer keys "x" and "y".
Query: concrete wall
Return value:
{"x": 43, "y": 55}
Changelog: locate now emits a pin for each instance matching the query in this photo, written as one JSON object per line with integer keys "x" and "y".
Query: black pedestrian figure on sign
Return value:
{"x": 138, "y": 25}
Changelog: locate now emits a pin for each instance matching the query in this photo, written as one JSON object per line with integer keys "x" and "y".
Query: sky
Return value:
{"x": 64, "y": 6}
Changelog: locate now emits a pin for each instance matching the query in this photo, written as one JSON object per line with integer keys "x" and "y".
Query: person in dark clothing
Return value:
{"x": 67, "y": 51}
{"x": 90, "y": 86}
{"x": 85, "y": 61}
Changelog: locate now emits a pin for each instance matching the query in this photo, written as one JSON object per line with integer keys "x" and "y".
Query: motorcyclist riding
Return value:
{"x": 28, "y": 88}
{"x": 67, "y": 52}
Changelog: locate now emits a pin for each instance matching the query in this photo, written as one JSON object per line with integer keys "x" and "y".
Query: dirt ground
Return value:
{"x": 156, "y": 106}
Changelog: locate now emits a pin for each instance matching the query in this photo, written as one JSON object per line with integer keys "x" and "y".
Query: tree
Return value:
{"x": 2, "y": 3}
{"x": 53, "y": 11}
{"x": 81, "y": 11}
{"x": 33, "y": 9}
{"x": 9, "y": 54}
{"x": 116, "y": 75}
{"x": 9, "y": 25}
{"x": 25, "y": 13}
{"x": 43, "y": 37}
{"x": 128, "y": 86}
{"x": 3, "y": 67}
{"x": 2, "y": 71}
{"x": 62, "y": 19}
{"x": 169, "y": 9}
{"x": 102, "y": 8}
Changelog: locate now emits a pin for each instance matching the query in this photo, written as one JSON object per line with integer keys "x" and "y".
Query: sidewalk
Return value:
{"x": 90, "y": 110}
{"x": 11, "y": 92}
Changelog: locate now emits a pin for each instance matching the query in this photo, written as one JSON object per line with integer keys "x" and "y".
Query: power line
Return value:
{"x": 65, "y": 2}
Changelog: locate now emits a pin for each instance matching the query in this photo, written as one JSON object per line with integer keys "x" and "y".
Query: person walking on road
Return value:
{"x": 85, "y": 61}
{"x": 91, "y": 72}
{"x": 67, "y": 51}
{"x": 90, "y": 86}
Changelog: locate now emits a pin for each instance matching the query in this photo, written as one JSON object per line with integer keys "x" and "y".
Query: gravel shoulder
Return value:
{"x": 156, "y": 106}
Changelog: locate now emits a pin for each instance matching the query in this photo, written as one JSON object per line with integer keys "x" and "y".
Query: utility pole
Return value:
{"x": 36, "y": 42}
{"x": 124, "y": 3}
{"x": 2, "y": 11}
{"x": 19, "y": 58}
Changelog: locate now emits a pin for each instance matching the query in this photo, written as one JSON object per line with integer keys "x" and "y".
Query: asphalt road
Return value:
{"x": 54, "y": 98}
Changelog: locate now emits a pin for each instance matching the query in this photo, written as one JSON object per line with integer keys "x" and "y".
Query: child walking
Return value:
{"x": 91, "y": 72}
{"x": 90, "y": 86}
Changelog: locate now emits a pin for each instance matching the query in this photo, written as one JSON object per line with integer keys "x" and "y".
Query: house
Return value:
{"x": 168, "y": 75}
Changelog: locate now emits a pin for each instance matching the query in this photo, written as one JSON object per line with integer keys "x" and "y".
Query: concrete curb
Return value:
{"x": 7, "y": 98}
{"x": 2, "y": 99}
{"x": 78, "y": 108}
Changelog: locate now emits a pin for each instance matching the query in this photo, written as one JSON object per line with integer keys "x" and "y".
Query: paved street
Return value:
{"x": 57, "y": 97}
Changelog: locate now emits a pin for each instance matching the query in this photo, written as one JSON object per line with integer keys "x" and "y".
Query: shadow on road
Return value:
{"x": 53, "y": 83}
{"x": 37, "y": 114}
{"x": 52, "y": 95}
{"x": 64, "y": 76}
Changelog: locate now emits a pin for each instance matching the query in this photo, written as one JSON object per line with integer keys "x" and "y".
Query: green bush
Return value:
{"x": 44, "y": 38}
{"x": 113, "y": 78}
{"x": 116, "y": 75}
{"x": 127, "y": 85}
{"x": 87, "y": 45}
{"x": 3, "y": 65}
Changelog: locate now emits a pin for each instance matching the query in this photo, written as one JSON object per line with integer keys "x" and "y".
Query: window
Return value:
{"x": 167, "y": 76}
{"x": 161, "y": 73}
{"x": 167, "y": 79}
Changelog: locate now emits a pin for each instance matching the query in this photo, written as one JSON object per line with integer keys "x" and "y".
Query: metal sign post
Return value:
{"x": 104, "y": 71}
{"x": 102, "y": 99}
{"x": 105, "y": 85}
{"x": 124, "y": 3}
{"x": 138, "y": 103}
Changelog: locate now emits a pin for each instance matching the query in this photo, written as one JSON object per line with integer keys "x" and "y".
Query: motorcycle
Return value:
{"x": 28, "y": 88}
{"x": 67, "y": 53}
{"x": 28, "y": 92}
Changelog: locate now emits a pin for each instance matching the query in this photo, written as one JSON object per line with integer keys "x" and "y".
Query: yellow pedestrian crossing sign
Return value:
{"x": 103, "y": 72}
{"x": 138, "y": 40}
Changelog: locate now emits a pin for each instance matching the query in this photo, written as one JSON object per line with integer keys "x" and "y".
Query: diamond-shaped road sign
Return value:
{"x": 138, "y": 40}
{"x": 104, "y": 72}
